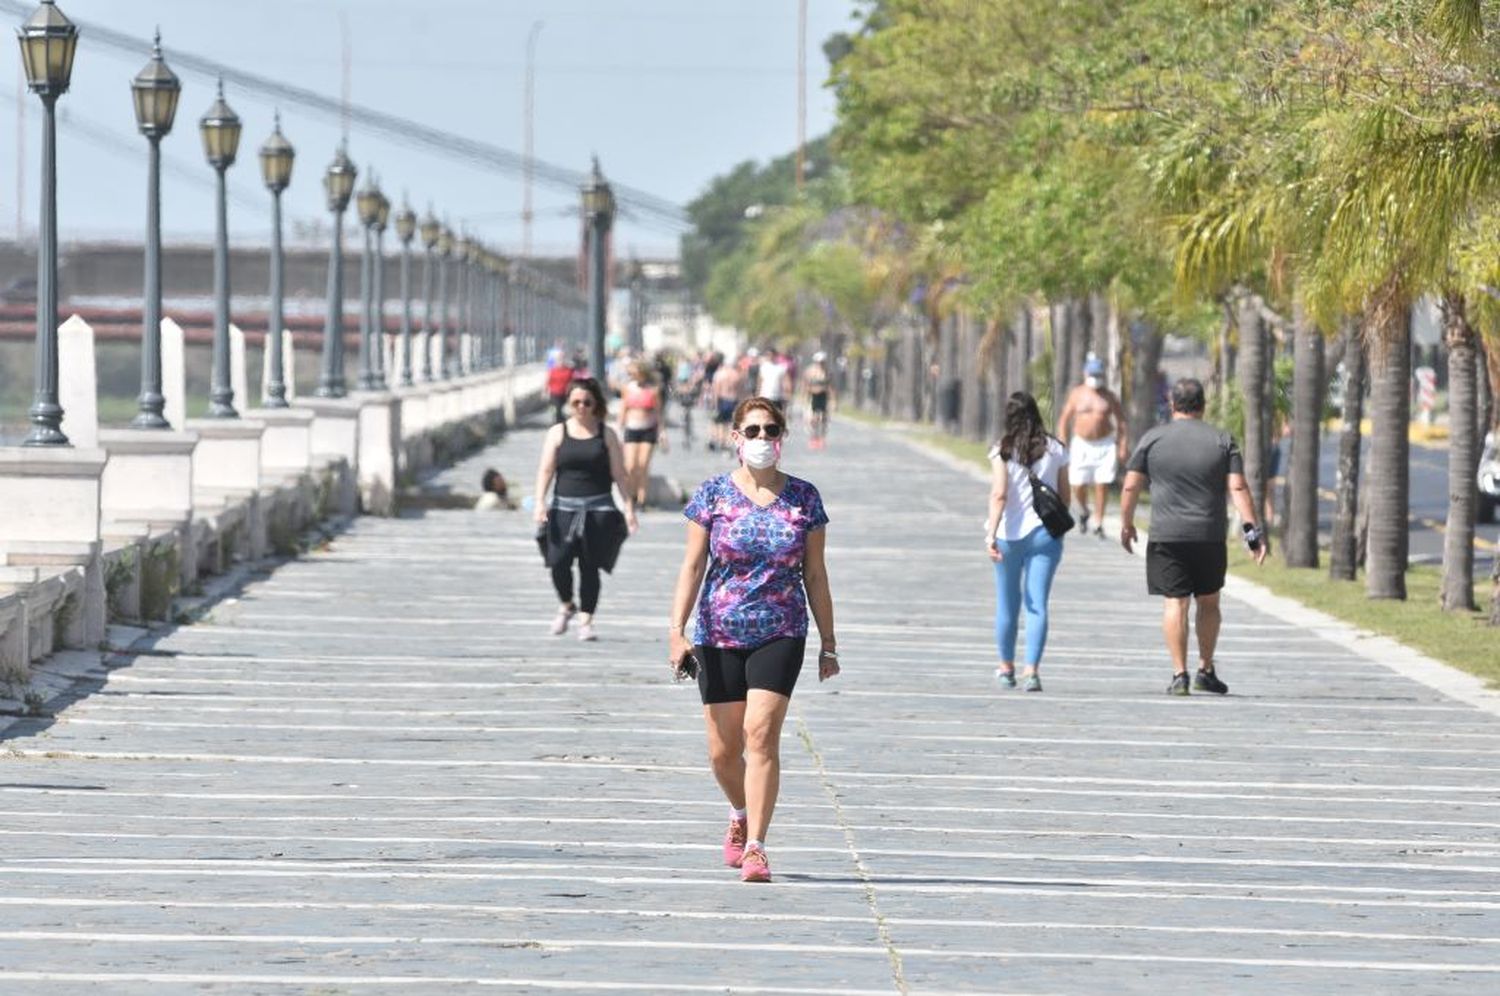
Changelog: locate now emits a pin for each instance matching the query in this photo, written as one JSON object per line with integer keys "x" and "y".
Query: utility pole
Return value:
{"x": 529, "y": 118}
{"x": 801, "y": 90}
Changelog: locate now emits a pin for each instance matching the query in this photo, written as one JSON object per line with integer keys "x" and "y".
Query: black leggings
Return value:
{"x": 588, "y": 583}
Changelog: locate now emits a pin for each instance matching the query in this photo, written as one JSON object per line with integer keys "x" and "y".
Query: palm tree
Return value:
{"x": 1307, "y": 430}
{"x": 1343, "y": 553}
{"x": 1252, "y": 381}
{"x": 1457, "y": 591}
{"x": 1390, "y": 457}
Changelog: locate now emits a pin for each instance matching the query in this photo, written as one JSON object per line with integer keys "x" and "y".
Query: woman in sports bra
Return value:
{"x": 640, "y": 425}
{"x": 819, "y": 400}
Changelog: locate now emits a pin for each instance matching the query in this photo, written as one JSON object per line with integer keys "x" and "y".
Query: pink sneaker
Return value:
{"x": 564, "y": 616}
{"x": 586, "y": 632}
{"x": 734, "y": 842}
{"x": 754, "y": 867}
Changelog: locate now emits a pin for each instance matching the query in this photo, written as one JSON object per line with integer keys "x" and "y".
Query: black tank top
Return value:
{"x": 582, "y": 466}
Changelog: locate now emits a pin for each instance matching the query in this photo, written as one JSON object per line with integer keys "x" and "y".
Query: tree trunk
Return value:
{"x": 1145, "y": 357}
{"x": 1489, "y": 381}
{"x": 1457, "y": 591}
{"x": 1390, "y": 459}
{"x": 1343, "y": 553}
{"x": 1307, "y": 433}
{"x": 1252, "y": 382}
{"x": 1000, "y": 381}
{"x": 1026, "y": 337}
{"x": 970, "y": 376}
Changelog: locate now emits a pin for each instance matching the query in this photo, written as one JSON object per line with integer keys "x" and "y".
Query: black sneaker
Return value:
{"x": 1207, "y": 681}
{"x": 1179, "y": 685}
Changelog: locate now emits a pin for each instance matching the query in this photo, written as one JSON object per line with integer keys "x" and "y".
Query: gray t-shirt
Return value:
{"x": 1188, "y": 462}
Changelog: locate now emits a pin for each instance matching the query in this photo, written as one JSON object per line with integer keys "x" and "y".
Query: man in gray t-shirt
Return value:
{"x": 1192, "y": 470}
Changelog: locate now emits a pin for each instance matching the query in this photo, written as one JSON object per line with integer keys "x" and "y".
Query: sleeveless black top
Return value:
{"x": 582, "y": 466}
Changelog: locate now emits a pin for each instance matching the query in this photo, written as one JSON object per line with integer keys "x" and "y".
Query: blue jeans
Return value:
{"x": 1036, "y": 558}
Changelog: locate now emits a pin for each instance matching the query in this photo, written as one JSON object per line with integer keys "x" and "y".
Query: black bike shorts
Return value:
{"x": 726, "y": 674}
{"x": 646, "y": 435}
{"x": 1178, "y": 570}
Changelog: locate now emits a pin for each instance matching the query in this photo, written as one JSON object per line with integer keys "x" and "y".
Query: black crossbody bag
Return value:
{"x": 1049, "y": 506}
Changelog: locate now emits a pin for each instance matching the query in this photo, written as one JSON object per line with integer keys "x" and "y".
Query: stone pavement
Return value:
{"x": 374, "y": 771}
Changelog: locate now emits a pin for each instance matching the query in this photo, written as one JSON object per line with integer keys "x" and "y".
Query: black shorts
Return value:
{"x": 725, "y": 413}
{"x": 1178, "y": 570}
{"x": 726, "y": 674}
{"x": 819, "y": 402}
{"x": 641, "y": 435}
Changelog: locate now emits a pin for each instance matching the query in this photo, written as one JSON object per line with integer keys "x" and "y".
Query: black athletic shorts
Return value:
{"x": 641, "y": 435}
{"x": 1178, "y": 570}
{"x": 726, "y": 674}
{"x": 818, "y": 400}
{"x": 724, "y": 415}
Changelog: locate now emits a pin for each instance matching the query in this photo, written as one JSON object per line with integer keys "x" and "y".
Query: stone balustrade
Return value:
{"x": 116, "y": 526}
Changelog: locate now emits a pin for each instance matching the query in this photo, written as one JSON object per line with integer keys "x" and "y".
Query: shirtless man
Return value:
{"x": 1099, "y": 445}
{"x": 725, "y": 388}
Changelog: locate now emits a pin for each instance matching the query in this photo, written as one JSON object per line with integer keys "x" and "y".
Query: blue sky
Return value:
{"x": 668, "y": 93}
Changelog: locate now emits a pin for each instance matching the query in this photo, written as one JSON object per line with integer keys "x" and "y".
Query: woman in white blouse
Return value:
{"x": 1025, "y": 554}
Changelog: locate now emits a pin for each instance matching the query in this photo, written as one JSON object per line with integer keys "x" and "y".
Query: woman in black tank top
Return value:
{"x": 581, "y": 459}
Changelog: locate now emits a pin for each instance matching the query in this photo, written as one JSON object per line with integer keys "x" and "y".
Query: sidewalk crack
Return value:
{"x": 882, "y": 929}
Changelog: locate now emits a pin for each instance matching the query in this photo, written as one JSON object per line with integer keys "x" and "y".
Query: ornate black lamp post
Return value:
{"x": 338, "y": 184}
{"x": 155, "y": 89}
{"x": 220, "y": 128}
{"x": 48, "y": 41}
{"x": 406, "y": 227}
{"x": 432, "y": 229}
{"x": 377, "y": 313}
{"x": 599, "y": 210}
{"x": 276, "y": 158}
{"x": 445, "y": 252}
{"x": 461, "y": 286}
{"x": 367, "y": 203}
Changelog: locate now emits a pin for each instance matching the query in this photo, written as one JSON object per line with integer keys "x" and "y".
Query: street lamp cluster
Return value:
{"x": 493, "y": 299}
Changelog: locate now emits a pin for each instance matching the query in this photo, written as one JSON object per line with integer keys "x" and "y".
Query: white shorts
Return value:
{"x": 1092, "y": 461}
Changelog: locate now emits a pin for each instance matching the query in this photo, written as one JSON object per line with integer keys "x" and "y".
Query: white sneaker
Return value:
{"x": 586, "y": 632}
{"x": 560, "y": 623}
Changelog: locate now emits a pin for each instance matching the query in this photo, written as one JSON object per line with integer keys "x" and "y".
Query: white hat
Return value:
{"x": 819, "y": 356}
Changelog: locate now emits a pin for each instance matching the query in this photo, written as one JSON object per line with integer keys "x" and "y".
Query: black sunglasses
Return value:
{"x": 582, "y": 403}
{"x": 771, "y": 429}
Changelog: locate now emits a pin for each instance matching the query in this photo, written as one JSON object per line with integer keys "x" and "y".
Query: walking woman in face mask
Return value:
{"x": 581, "y": 459}
{"x": 757, "y": 533}
{"x": 1025, "y": 554}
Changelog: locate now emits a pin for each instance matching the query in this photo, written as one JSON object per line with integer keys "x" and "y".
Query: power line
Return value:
{"x": 645, "y": 207}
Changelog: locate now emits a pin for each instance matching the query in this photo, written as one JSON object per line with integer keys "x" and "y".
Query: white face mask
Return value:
{"x": 760, "y": 454}
{"x": 1093, "y": 381}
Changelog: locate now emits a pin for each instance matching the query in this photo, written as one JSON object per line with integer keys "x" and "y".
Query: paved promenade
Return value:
{"x": 375, "y": 771}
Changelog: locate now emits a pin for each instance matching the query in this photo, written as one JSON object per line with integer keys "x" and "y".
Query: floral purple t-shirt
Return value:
{"x": 753, "y": 593}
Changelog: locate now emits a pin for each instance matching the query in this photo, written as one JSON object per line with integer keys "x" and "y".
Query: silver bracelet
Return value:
{"x": 831, "y": 655}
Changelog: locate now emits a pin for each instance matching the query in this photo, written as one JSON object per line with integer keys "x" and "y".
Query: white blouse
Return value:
{"x": 1019, "y": 519}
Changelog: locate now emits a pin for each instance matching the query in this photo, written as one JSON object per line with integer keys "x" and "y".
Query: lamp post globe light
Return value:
{"x": 431, "y": 229}
{"x": 406, "y": 228}
{"x": 377, "y": 335}
{"x": 599, "y": 210}
{"x": 276, "y": 157}
{"x": 155, "y": 90}
{"x": 367, "y": 205}
{"x": 338, "y": 185}
{"x": 445, "y": 252}
{"x": 220, "y": 128}
{"x": 48, "y": 41}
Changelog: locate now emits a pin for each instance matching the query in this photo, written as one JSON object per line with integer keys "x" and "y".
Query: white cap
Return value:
{"x": 819, "y": 356}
